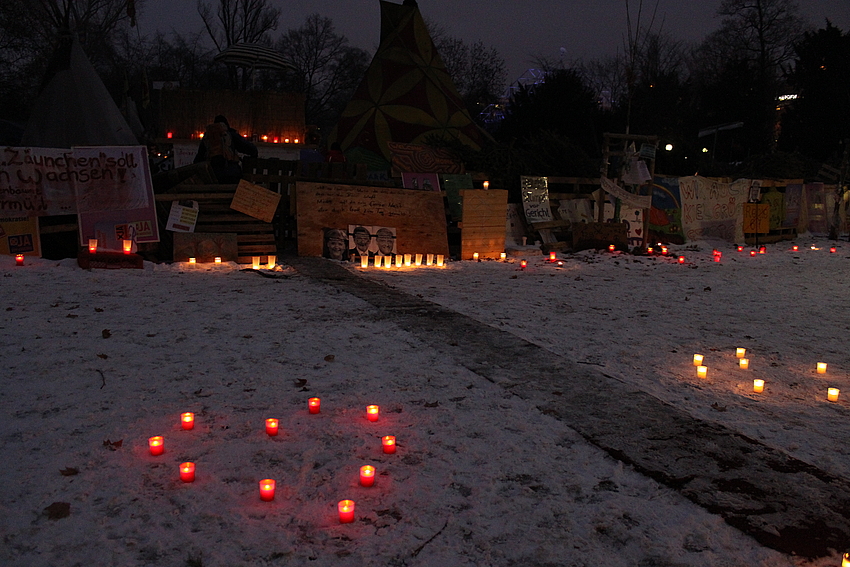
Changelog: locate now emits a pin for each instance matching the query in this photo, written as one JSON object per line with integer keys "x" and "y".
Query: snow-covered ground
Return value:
{"x": 96, "y": 362}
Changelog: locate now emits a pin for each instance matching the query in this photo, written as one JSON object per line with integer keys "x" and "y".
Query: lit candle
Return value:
{"x": 272, "y": 426}
{"x": 408, "y": 259}
{"x": 267, "y": 490}
{"x": 192, "y": 260}
{"x": 832, "y": 394}
{"x": 681, "y": 259}
{"x": 486, "y": 185}
{"x": 740, "y": 248}
{"x": 128, "y": 246}
{"x": 475, "y": 255}
{"x": 717, "y": 258}
{"x": 832, "y": 249}
{"x": 740, "y": 352}
{"x": 156, "y": 445}
{"x": 399, "y": 260}
{"x": 758, "y": 385}
{"x": 187, "y": 472}
{"x": 272, "y": 262}
{"x": 388, "y": 444}
{"x": 664, "y": 250}
{"x": 744, "y": 363}
{"x": 752, "y": 252}
{"x": 429, "y": 259}
{"x": 418, "y": 260}
{"x": 372, "y": 413}
{"x": 649, "y": 250}
{"x": 92, "y": 245}
{"x": 364, "y": 261}
{"x": 346, "y": 511}
{"x": 845, "y": 560}
{"x": 367, "y": 475}
{"x": 255, "y": 262}
{"x": 503, "y": 255}
{"x": 795, "y": 248}
{"x": 762, "y": 250}
{"x": 553, "y": 257}
{"x": 821, "y": 367}
{"x": 523, "y": 264}
{"x": 698, "y": 359}
{"x": 611, "y": 247}
{"x": 715, "y": 252}
{"x": 378, "y": 261}
{"x": 440, "y": 260}
{"x": 187, "y": 420}
{"x": 315, "y": 405}
{"x": 218, "y": 259}
{"x": 702, "y": 371}
{"x": 19, "y": 259}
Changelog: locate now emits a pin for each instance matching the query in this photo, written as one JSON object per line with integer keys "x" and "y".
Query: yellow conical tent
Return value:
{"x": 406, "y": 95}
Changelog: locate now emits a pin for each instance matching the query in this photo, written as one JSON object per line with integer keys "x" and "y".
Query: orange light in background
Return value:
{"x": 265, "y": 138}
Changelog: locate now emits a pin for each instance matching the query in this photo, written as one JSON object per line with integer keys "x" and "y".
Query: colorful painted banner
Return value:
{"x": 19, "y": 235}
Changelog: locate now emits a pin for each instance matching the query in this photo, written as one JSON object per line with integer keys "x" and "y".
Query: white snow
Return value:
{"x": 481, "y": 477}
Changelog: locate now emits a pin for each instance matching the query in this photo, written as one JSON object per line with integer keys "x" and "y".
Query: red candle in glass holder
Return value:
{"x": 388, "y": 443}
{"x": 346, "y": 511}
{"x": 187, "y": 420}
{"x": 157, "y": 445}
{"x": 681, "y": 259}
{"x": 795, "y": 248}
{"x": 523, "y": 264}
{"x": 553, "y": 257}
{"x": 187, "y": 472}
{"x": 267, "y": 490}
{"x": 372, "y": 413}
{"x": 762, "y": 250}
{"x": 19, "y": 259}
{"x": 752, "y": 252}
{"x": 315, "y": 405}
{"x": 272, "y": 425}
{"x": 367, "y": 475}
{"x": 832, "y": 249}
{"x": 128, "y": 246}
{"x": 611, "y": 247}
{"x": 740, "y": 248}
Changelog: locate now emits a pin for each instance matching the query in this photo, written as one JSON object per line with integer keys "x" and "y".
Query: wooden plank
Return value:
{"x": 194, "y": 196}
{"x": 418, "y": 216}
{"x": 228, "y": 228}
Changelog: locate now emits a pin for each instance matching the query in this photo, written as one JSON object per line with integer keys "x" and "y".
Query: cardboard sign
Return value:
{"x": 418, "y": 216}
{"x": 19, "y": 235}
{"x": 255, "y": 201}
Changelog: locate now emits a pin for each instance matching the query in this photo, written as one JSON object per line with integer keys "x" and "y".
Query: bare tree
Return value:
{"x": 238, "y": 21}
{"x": 327, "y": 69}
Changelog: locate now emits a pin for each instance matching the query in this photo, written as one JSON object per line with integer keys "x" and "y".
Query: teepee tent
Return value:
{"x": 74, "y": 107}
{"x": 406, "y": 95}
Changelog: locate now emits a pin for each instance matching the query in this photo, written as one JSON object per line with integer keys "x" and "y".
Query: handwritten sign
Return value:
{"x": 37, "y": 181}
{"x": 419, "y": 216}
{"x": 713, "y": 209}
{"x": 255, "y": 201}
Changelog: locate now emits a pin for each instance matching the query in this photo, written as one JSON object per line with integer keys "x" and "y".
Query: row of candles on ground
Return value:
{"x": 405, "y": 260}
{"x": 126, "y": 245}
{"x": 156, "y": 445}
{"x": 758, "y": 384}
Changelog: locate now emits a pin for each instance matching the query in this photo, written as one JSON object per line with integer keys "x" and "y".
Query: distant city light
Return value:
{"x": 669, "y": 147}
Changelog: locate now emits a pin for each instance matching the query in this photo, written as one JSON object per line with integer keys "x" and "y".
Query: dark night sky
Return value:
{"x": 518, "y": 29}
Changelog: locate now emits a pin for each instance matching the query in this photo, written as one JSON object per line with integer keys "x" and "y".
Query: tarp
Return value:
{"x": 74, "y": 107}
{"x": 406, "y": 95}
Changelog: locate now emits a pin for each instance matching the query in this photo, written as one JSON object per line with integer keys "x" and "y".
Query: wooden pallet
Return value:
{"x": 254, "y": 237}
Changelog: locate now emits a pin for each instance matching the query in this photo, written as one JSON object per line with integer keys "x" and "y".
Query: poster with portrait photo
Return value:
{"x": 421, "y": 181}
{"x": 360, "y": 242}
{"x": 385, "y": 239}
{"x": 335, "y": 243}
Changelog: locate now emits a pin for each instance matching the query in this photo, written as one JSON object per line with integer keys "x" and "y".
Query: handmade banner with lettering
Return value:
{"x": 713, "y": 209}
{"x": 109, "y": 187}
{"x": 630, "y": 200}
{"x": 37, "y": 181}
{"x": 114, "y": 195}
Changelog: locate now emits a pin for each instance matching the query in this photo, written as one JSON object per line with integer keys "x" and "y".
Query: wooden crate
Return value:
{"x": 483, "y": 225}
